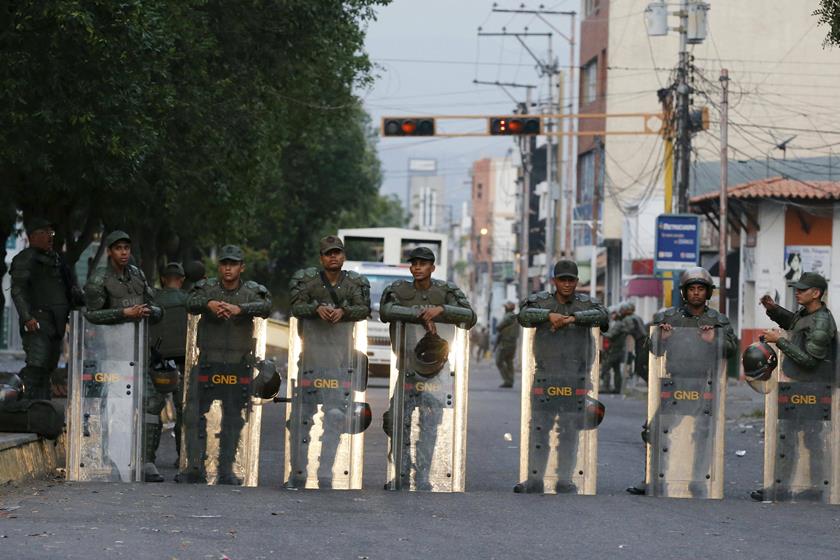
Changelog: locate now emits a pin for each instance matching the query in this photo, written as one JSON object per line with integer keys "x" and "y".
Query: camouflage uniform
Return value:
{"x": 226, "y": 344}
{"x": 810, "y": 354}
{"x": 402, "y": 301}
{"x": 613, "y": 356}
{"x": 107, "y": 293}
{"x": 635, "y": 327}
{"x": 44, "y": 289}
{"x": 508, "y": 334}
{"x": 172, "y": 333}
{"x": 812, "y": 342}
{"x": 309, "y": 290}
{"x": 557, "y": 354}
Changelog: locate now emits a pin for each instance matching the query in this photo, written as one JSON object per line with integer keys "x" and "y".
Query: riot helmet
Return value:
{"x": 759, "y": 361}
{"x": 697, "y": 275}
{"x": 267, "y": 383}
{"x": 11, "y": 388}
{"x": 593, "y": 413}
{"x": 430, "y": 355}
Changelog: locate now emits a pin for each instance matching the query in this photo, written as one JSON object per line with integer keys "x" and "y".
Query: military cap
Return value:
{"x": 329, "y": 243}
{"x": 421, "y": 253}
{"x": 116, "y": 235}
{"x": 231, "y": 253}
{"x": 810, "y": 280}
{"x": 36, "y": 223}
{"x": 565, "y": 268}
{"x": 173, "y": 269}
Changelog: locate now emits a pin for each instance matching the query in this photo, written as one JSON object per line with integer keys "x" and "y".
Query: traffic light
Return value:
{"x": 412, "y": 126}
{"x": 514, "y": 126}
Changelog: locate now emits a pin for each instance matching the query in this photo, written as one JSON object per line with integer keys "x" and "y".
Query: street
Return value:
{"x": 75, "y": 520}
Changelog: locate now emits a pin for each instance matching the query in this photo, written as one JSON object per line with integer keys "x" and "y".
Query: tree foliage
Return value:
{"x": 190, "y": 123}
{"x": 829, "y": 14}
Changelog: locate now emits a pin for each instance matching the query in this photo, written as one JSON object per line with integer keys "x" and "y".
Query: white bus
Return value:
{"x": 380, "y": 254}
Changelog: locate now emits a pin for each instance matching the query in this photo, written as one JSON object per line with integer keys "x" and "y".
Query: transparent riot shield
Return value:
{"x": 220, "y": 438}
{"x": 427, "y": 418}
{"x": 686, "y": 397}
{"x": 105, "y": 413}
{"x": 559, "y": 442}
{"x": 801, "y": 433}
{"x": 326, "y": 415}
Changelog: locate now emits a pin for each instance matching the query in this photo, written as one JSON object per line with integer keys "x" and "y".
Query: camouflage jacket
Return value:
{"x": 107, "y": 293}
{"x": 812, "y": 341}
{"x": 617, "y": 336}
{"x": 681, "y": 318}
{"x": 308, "y": 291}
{"x": 172, "y": 329}
{"x": 402, "y": 301}
{"x": 227, "y": 340}
{"x": 43, "y": 287}
{"x": 635, "y": 327}
{"x": 587, "y": 312}
{"x": 508, "y": 330}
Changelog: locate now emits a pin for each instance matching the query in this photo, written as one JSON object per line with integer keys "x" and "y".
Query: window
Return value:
{"x": 589, "y": 81}
{"x": 590, "y": 7}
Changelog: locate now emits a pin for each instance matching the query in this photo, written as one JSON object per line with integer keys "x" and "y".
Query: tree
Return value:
{"x": 829, "y": 14}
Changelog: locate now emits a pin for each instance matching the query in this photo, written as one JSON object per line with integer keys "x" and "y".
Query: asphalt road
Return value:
{"x": 75, "y": 520}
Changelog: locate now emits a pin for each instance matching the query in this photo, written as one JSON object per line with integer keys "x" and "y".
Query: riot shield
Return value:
{"x": 220, "y": 437}
{"x": 801, "y": 434}
{"x": 427, "y": 418}
{"x": 325, "y": 415}
{"x": 106, "y": 386}
{"x": 559, "y": 443}
{"x": 686, "y": 397}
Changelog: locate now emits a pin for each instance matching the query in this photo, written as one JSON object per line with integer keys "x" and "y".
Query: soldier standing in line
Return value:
{"x": 172, "y": 334}
{"x": 227, "y": 306}
{"x": 330, "y": 295}
{"x": 506, "y": 339}
{"x": 635, "y": 327}
{"x": 695, "y": 355}
{"x": 422, "y": 301}
{"x": 118, "y": 293}
{"x": 809, "y": 351}
{"x": 563, "y": 321}
{"x": 44, "y": 292}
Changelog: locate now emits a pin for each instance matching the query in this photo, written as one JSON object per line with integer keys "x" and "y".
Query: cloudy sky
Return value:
{"x": 428, "y": 54}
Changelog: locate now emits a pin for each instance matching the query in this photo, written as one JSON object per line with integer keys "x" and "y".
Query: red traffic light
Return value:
{"x": 514, "y": 125}
{"x": 413, "y": 126}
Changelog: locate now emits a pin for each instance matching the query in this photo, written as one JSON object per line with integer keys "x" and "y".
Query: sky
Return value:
{"x": 427, "y": 54}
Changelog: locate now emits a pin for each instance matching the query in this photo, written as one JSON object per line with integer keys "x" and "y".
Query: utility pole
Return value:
{"x": 683, "y": 129}
{"x": 723, "y": 221}
{"x": 525, "y": 144}
{"x": 596, "y": 209}
{"x": 548, "y": 109}
{"x": 551, "y": 68}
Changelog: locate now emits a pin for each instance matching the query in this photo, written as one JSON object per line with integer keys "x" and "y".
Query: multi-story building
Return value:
{"x": 492, "y": 238}
{"x": 425, "y": 203}
{"x": 782, "y": 86}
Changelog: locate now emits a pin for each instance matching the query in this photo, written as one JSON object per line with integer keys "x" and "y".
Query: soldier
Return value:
{"x": 44, "y": 292}
{"x": 508, "y": 335}
{"x": 118, "y": 293}
{"x": 227, "y": 306}
{"x": 423, "y": 301}
{"x": 170, "y": 335}
{"x": 563, "y": 320}
{"x": 689, "y": 332}
{"x": 613, "y": 356}
{"x": 635, "y": 328}
{"x": 329, "y": 295}
{"x": 809, "y": 351}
